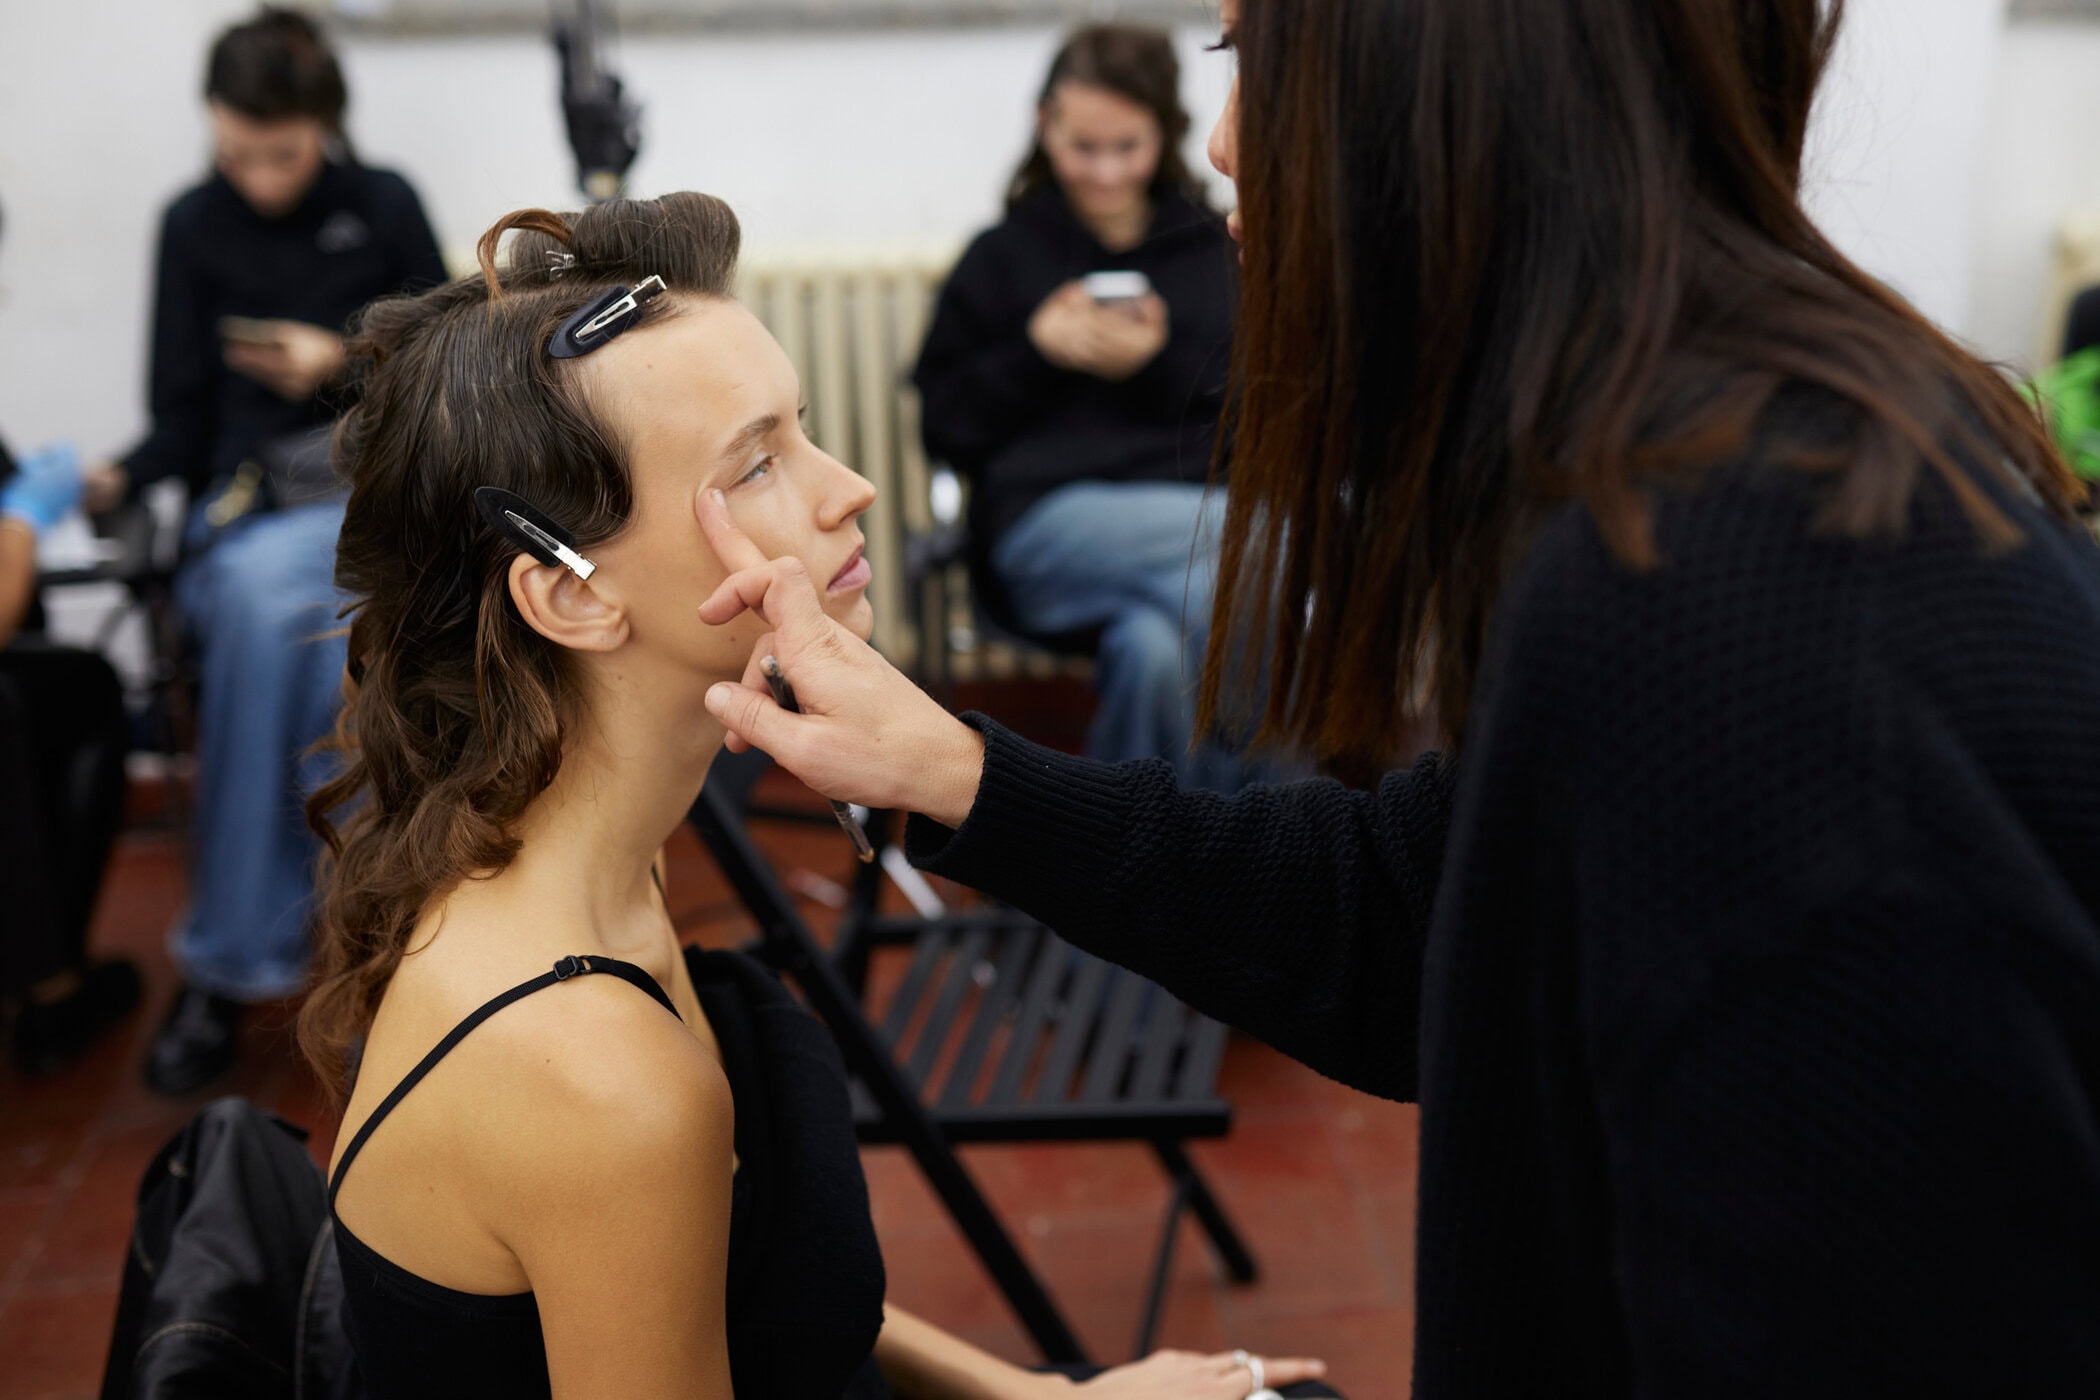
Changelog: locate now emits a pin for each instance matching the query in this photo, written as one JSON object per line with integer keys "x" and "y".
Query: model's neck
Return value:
{"x": 628, "y": 776}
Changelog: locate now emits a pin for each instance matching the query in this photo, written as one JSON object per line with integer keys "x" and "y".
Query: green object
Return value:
{"x": 2070, "y": 396}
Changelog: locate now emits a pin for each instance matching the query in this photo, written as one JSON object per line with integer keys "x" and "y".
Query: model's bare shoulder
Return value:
{"x": 604, "y": 1078}
{"x": 612, "y": 1189}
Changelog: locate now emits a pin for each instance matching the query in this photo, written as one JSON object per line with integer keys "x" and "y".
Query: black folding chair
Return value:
{"x": 947, "y": 575}
{"x": 1000, "y": 1032}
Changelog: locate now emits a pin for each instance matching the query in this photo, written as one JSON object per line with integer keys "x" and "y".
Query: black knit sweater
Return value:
{"x": 1748, "y": 978}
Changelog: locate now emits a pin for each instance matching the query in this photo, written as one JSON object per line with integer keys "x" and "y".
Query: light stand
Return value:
{"x": 605, "y": 125}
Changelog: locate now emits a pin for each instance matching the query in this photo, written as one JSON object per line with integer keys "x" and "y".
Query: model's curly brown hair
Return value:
{"x": 455, "y": 710}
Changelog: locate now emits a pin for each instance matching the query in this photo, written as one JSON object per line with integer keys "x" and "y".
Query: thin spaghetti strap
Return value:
{"x": 628, "y": 972}
{"x": 568, "y": 967}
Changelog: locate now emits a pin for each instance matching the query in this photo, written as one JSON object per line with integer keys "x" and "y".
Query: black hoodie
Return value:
{"x": 358, "y": 234}
{"x": 1018, "y": 426}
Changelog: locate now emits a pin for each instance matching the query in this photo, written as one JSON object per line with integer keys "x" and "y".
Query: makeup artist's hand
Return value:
{"x": 866, "y": 734}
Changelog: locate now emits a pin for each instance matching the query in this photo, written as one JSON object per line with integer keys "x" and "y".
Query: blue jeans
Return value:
{"x": 1140, "y": 561}
{"x": 261, "y": 603}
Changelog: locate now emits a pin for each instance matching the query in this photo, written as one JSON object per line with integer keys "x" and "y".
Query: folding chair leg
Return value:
{"x": 790, "y": 947}
{"x": 1223, "y": 1237}
{"x": 866, "y": 1057}
{"x": 1162, "y": 1270}
{"x": 1024, "y": 1291}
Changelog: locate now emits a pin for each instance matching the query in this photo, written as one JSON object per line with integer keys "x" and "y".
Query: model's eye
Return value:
{"x": 761, "y": 466}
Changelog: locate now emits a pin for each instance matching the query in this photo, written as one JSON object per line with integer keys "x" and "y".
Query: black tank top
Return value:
{"x": 805, "y": 1282}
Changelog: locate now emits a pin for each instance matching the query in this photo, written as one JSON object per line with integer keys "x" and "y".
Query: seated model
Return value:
{"x": 575, "y": 1159}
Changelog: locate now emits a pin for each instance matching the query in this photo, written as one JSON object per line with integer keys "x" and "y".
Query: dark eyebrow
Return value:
{"x": 752, "y": 432}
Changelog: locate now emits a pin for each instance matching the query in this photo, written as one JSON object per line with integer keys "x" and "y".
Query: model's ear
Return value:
{"x": 565, "y": 609}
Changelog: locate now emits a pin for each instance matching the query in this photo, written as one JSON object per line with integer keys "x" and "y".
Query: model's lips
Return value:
{"x": 1233, "y": 226}
{"x": 856, "y": 574}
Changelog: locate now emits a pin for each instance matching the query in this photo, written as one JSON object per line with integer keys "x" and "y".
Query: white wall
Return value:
{"x": 891, "y": 138}
{"x": 2043, "y": 143}
{"x": 1946, "y": 149}
{"x": 1898, "y": 149}
{"x": 98, "y": 126}
{"x": 824, "y": 138}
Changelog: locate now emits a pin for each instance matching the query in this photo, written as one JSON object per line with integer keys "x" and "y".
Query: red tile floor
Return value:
{"x": 1321, "y": 1180}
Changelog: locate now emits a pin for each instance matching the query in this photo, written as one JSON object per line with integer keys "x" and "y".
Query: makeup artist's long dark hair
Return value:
{"x": 456, "y": 712}
{"x": 1501, "y": 253}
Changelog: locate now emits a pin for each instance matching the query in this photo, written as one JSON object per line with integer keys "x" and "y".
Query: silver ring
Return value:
{"x": 1254, "y": 1369}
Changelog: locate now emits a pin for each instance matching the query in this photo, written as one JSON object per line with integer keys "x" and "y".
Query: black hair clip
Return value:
{"x": 603, "y": 319}
{"x": 530, "y": 529}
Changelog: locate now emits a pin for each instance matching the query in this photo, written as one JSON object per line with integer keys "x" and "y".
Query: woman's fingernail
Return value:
{"x": 720, "y": 499}
{"x": 718, "y": 694}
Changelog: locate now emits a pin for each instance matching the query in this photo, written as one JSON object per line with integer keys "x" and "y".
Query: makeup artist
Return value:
{"x": 1743, "y": 947}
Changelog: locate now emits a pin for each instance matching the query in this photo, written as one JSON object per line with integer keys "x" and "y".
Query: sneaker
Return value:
{"x": 51, "y": 1035}
{"x": 196, "y": 1044}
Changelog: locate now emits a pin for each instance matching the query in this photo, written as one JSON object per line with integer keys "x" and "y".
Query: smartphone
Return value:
{"x": 247, "y": 330}
{"x": 1116, "y": 288}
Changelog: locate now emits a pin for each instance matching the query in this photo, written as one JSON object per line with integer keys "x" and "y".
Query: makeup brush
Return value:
{"x": 784, "y": 696}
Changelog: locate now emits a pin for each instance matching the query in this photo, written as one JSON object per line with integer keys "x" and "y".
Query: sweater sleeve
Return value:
{"x": 980, "y": 378}
{"x": 1297, "y": 912}
{"x": 185, "y": 356}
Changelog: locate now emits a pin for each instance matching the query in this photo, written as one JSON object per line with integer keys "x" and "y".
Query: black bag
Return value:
{"x": 231, "y": 1285}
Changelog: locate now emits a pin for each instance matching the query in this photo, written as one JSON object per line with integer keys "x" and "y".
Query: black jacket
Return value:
{"x": 358, "y": 234}
{"x": 1017, "y": 426}
{"x": 231, "y": 1284}
{"x": 1748, "y": 974}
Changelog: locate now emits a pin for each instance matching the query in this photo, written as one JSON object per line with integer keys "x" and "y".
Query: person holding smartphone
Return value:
{"x": 1073, "y": 372}
{"x": 260, "y": 267}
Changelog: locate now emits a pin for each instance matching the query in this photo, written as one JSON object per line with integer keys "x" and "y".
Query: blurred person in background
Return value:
{"x": 260, "y": 267}
{"x": 1086, "y": 425}
{"x": 63, "y": 735}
